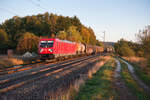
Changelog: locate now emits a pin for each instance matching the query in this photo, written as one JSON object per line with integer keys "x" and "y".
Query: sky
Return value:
{"x": 118, "y": 18}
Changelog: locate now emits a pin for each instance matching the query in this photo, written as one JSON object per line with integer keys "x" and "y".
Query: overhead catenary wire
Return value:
{"x": 8, "y": 11}
{"x": 37, "y": 5}
{"x": 104, "y": 35}
{"x": 41, "y": 3}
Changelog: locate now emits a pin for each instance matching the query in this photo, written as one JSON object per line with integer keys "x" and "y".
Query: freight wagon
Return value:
{"x": 54, "y": 48}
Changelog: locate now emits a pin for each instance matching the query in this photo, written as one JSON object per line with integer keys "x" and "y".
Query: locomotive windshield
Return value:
{"x": 46, "y": 44}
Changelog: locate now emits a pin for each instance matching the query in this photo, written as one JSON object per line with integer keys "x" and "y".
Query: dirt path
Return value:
{"x": 141, "y": 84}
{"x": 120, "y": 87}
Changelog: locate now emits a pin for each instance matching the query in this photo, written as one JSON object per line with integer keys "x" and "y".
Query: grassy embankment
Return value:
{"x": 100, "y": 85}
{"x": 141, "y": 68}
{"x": 132, "y": 85}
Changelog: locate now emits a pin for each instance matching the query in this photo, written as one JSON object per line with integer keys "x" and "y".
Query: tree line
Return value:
{"x": 140, "y": 48}
{"x": 23, "y": 33}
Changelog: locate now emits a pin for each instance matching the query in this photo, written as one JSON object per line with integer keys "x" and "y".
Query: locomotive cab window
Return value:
{"x": 43, "y": 44}
{"x": 46, "y": 44}
{"x": 50, "y": 44}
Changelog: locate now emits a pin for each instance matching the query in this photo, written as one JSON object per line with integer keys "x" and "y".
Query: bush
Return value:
{"x": 123, "y": 49}
{"x": 126, "y": 51}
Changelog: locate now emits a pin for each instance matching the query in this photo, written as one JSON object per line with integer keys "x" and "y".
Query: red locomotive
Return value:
{"x": 54, "y": 48}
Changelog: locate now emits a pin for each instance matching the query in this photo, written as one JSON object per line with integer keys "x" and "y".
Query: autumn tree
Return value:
{"x": 85, "y": 35}
{"x": 3, "y": 41}
{"x": 62, "y": 35}
{"x": 88, "y": 35}
{"x": 136, "y": 47}
{"x": 28, "y": 42}
{"x": 123, "y": 49}
{"x": 99, "y": 43}
{"x": 50, "y": 25}
{"x": 73, "y": 34}
{"x": 76, "y": 22}
{"x": 144, "y": 37}
{"x": 92, "y": 36}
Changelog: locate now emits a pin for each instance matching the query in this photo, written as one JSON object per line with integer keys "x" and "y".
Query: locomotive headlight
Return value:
{"x": 50, "y": 50}
{"x": 41, "y": 50}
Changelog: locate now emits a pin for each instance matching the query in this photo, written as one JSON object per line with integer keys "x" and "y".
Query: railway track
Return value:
{"x": 18, "y": 68}
{"x": 37, "y": 63}
{"x": 33, "y": 69}
{"x": 15, "y": 80}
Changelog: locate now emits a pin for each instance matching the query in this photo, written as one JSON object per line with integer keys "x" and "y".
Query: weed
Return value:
{"x": 132, "y": 85}
{"x": 99, "y": 86}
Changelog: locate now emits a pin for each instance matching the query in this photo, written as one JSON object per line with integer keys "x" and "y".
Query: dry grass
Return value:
{"x": 141, "y": 68}
{"x": 137, "y": 60}
{"x": 103, "y": 60}
{"x": 7, "y": 62}
{"x": 141, "y": 62}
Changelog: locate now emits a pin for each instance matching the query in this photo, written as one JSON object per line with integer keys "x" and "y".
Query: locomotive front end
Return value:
{"x": 46, "y": 48}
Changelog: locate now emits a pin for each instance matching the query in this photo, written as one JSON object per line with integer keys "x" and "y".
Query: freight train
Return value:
{"x": 55, "y": 48}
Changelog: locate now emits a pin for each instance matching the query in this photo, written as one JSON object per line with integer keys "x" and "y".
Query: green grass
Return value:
{"x": 132, "y": 85}
{"x": 141, "y": 73}
{"x": 99, "y": 86}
